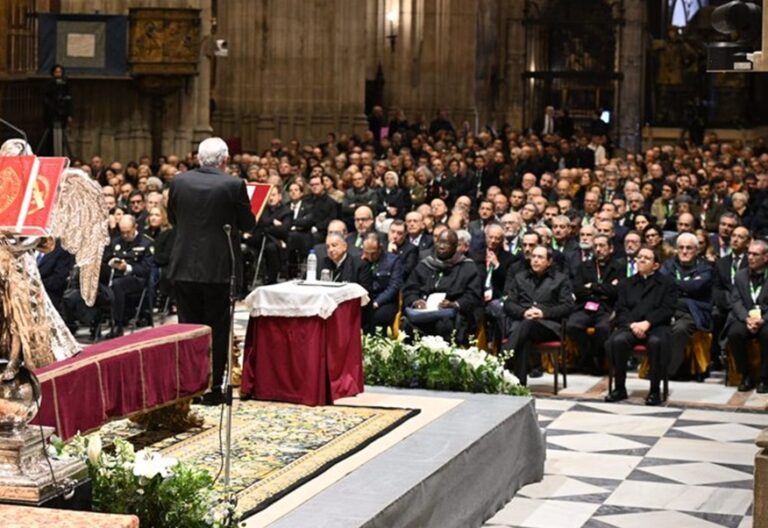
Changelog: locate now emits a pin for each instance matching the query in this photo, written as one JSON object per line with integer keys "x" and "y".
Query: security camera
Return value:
{"x": 745, "y": 21}
{"x": 220, "y": 48}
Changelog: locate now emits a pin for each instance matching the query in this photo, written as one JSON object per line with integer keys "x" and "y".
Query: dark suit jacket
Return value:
{"x": 723, "y": 280}
{"x": 425, "y": 242}
{"x": 499, "y": 274}
{"x": 741, "y": 298}
{"x": 409, "y": 256}
{"x": 387, "y": 279}
{"x": 200, "y": 203}
{"x": 54, "y": 268}
{"x": 351, "y": 270}
{"x": 603, "y": 290}
{"x": 640, "y": 299}
{"x": 552, "y": 294}
{"x": 324, "y": 209}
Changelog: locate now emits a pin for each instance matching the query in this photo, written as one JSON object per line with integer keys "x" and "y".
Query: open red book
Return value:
{"x": 28, "y": 188}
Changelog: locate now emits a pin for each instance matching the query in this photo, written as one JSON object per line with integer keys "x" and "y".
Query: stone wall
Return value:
{"x": 112, "y": 117}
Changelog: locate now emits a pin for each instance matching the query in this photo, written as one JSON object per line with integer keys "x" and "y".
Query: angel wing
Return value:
{"x": 80, "y": 220}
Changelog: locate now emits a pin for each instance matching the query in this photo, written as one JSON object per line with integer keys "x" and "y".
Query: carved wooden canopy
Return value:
{"x": 164, "y": 41}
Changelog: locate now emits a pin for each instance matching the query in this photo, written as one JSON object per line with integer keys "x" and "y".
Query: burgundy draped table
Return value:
{"x": 120, "y": 377}
{"x": 312, "y": 357}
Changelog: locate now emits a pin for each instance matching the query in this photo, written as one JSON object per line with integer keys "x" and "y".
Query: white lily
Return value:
{"x": 149, "y": 464}
{"x": 94, "y": 449}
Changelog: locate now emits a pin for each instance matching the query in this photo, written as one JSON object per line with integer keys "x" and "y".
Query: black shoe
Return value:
{"x": 653, "y": 398}
{"x": 747, "y": 384}
{"x": 212, "y": 399}
{"x": 144, "y": 322}
{"x": 762, "y": 387}
{"x": 616, "y": 395}
{"x": 536, "y": 372}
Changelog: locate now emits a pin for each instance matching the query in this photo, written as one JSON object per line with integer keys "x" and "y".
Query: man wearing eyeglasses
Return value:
{"x": 749, "y": 315}
{"x": 138, "y": 209}
{"x": 693, "y": 311}
{"x": 644, "y": 310}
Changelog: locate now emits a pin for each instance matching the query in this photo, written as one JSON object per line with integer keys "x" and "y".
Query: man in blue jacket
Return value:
{"x": 387, "y": 272}
{"x": 693, "y": 310}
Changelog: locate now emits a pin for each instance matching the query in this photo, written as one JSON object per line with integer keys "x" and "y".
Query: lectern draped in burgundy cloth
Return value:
{"x": 305, "y": 359}
{"x": 119, "y": 377}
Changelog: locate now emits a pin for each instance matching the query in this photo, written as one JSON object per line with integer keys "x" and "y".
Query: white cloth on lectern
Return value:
{"x": 290, "y": 299}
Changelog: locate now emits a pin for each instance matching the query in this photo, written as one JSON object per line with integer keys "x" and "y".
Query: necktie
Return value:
{"x": 632, "y": 268}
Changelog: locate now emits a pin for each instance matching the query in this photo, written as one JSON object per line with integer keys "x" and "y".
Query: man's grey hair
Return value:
{"x": 464, "y": 236}
{"x": 688, "y": 237}
{"x": 335, "y": 236}
{"x": 212, "y": 152}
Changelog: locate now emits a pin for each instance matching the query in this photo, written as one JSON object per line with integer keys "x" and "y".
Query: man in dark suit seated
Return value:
{"x": 494, "y": 265}
{"x": 126, "y": 265}
{"x": 387, "y": 279}
{"x": 749, "y": 315}
{"x": 343, "y": 266}
{"x": 272, "y": 231}
{"x": 399, "y": 247}
{"x": 595, "y": 287}
{"x": 323, "y": 207}
{"x": 452, "y": 274}
{"x": 55, "y": 267}
{"x": 644, "y": 309}
{"x": 693, "y": 279}
{"x": 537, "y": 300}
{"x": 417, "y": 235}
{"x": 723, "y": 274}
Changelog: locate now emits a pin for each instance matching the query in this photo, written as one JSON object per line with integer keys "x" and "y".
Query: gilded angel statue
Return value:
{"x": 30, "y": 327}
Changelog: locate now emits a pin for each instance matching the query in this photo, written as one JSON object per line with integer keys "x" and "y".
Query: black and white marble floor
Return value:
{"x": 628, "y": 466}
{"x": 631, "y": 466}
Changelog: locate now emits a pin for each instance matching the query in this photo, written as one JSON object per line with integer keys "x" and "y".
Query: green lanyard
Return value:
{"x": 734, "y": 269}
{"x": 631, "y": 268}
{"x": 756, "y": 291}
{"x": 597, "y": 271}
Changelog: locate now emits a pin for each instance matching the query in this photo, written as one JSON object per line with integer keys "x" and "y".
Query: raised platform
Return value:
{"x": 455, "y": 471}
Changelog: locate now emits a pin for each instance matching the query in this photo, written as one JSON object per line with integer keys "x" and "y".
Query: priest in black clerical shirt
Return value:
{"x": 342, "y": 266}
{"x": 644, "y": 309}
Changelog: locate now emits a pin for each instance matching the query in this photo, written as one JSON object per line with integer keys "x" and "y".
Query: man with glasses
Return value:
{"x": 363, "y": 226}
{"x": 749, "y": 314}
{"x": 138, "y": 209}
{"x": 693, "y": 311}
{"x": 644, "y": 309}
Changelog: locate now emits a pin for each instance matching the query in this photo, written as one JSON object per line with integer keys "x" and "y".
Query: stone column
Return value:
{"x": 632, "y": 64}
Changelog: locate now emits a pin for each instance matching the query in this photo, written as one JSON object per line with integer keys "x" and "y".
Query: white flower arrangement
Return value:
{"x": 434, "y": 363}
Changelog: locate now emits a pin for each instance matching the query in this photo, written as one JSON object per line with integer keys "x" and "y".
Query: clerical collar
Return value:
{"x": 339, "y": 263}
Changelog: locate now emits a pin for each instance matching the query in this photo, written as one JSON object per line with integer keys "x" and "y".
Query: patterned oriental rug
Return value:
{"x": 276, "y": 447}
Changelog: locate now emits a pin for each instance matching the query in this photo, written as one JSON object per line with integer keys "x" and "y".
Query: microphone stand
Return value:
{"x": 228, "y": 393}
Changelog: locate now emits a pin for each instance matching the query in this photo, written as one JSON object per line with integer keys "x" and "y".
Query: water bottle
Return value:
{"x": 312, "y": 266}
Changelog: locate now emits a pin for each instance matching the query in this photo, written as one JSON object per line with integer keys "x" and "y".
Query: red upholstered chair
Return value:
{"x": 641, "y": 350}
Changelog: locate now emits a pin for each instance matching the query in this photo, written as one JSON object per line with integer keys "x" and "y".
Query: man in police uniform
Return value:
{"x": 125, "y": 268}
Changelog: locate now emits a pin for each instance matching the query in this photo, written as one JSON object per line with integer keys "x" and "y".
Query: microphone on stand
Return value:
{"x": 230, "y": 343}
